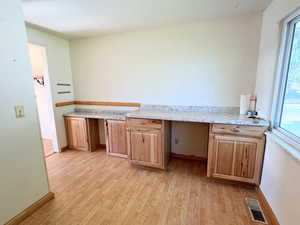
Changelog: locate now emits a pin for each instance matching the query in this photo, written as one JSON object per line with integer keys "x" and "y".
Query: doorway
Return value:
{"x": 42, "y": 90}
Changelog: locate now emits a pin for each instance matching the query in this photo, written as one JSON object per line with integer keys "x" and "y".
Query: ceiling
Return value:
{"x": 84, "y": 18}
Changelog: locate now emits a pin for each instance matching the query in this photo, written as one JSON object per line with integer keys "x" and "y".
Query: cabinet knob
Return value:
{"x": 235, "y": 129}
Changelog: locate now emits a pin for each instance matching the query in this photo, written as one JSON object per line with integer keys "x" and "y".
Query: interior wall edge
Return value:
{"x": 267, "y": 209}
{"x": 31, "y": 209}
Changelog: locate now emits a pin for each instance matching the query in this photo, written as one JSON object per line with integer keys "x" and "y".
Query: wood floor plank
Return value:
{"x": 95, "y": 189}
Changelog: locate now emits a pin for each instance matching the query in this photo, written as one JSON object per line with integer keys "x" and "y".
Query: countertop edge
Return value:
{"x": 235, "y": 122}
{"x": 107, "y": 117}
{"x": 263, "y": 123}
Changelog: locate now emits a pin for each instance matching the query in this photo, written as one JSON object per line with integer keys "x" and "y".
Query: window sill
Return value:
{"x": 286, "y": 143}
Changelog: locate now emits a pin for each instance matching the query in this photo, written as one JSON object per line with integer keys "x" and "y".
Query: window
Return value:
{"x": 287, "y": 119}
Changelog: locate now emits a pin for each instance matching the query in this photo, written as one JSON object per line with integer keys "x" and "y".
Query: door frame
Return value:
{"x": 47, "y": 80}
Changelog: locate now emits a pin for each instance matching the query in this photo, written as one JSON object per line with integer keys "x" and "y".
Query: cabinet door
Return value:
{"x": 146, "y": 147}
{"x": 224, "y": 156}
{"x": 238, "y": 158}
{"x": 116, "y": 138}
{"x": 245, "y": 159}
{"x": 77, "y": 133}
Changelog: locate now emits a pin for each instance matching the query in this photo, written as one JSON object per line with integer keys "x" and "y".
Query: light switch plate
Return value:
{"x": 19, "y": 109}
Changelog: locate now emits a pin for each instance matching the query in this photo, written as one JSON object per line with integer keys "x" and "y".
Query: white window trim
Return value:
{"x": 286, "y": 139}
{"x": 281, "y": 77}
{"x": 289, "y": 148}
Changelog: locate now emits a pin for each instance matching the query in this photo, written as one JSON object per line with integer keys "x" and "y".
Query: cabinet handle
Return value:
{"x": 235, "y": 129}
{"x": 142, "y": 130}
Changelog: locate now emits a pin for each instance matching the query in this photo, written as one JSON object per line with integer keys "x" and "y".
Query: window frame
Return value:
{"x": 283, "y": 63}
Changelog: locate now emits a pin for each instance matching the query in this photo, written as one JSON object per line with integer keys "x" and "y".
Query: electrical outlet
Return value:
{"x": 19, "y": 109}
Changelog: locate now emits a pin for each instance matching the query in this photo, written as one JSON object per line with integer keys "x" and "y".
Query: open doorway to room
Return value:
{"x": 42, "y": 89}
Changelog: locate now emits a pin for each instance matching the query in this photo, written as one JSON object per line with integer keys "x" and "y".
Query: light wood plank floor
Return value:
{"x": 95, "y": 189}
{"x": 48, "y": 147}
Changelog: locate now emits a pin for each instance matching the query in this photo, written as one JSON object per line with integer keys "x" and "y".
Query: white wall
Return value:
{"x": 281, "y": 184}
{"x": 206, "y": 63}
{"x": 39, "y": 66}
{"x": 22, "y": 169}
{"x": 280, "y": 179}
{"x": 190, "y": 138}
{"x": 59, "y": 67}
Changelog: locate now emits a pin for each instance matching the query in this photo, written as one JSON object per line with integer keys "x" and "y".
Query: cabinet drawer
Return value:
{"x": 144, "y": 123}
{"x": 250, "y": 131}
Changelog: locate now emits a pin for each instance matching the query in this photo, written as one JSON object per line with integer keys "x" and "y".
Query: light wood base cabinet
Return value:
{"x": 148, "y": 142}
{"x": 82, "y": 133}
{"x": 115, "y": 133}
{"x": 236, "y": 156}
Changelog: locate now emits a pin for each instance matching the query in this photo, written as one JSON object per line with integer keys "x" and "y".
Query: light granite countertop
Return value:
{"x": 105, "y": 114}
{"x": 173, "y": 115}
{"x": 202, "y": 117}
